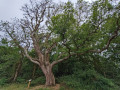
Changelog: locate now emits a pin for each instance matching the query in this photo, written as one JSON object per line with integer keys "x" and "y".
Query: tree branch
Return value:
{"x": 95, "y": 51}
{"x": 51, "y": 47}
{"x": 23, "y": 49}
{"x": 60, "y": 60}
{"x": 109, "y": 41}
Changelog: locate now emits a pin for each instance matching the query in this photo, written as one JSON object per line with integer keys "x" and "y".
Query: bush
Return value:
{"x": 20, "y": 80}
{"x": 88, "y": 80}
{"x": 62, "y": 88}
{"x": 3, "y": 81}
{"x": 40, "y": 80}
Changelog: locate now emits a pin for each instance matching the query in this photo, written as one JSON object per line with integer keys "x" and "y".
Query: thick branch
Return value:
{"x": 23, "y": 49}
{"x": 31, "y": 59}
{"x": 95, "y": 51}
{"x": 109, "y": 41}
{"x": 51, "y": 47}
{"x": 60, "y": 60}
{"x": 63, "y": 59}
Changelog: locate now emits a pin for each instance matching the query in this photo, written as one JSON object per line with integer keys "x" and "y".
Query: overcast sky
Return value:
{"x": 11, "y": 8}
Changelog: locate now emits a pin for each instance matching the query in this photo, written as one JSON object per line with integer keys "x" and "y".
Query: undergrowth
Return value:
{"x": 88, "y": 80}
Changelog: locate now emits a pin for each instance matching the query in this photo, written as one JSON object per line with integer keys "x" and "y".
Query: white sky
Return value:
{"x": 11, "y": 8}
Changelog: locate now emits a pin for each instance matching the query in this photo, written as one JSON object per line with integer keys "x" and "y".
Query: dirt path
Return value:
{"x": 56, "y": 87}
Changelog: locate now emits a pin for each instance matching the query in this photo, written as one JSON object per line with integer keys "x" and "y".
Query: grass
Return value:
{"x": 24, "y": 87}
{"x": 14, "y": 87}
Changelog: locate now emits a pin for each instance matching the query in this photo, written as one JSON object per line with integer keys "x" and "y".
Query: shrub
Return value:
{"x": 88, "y": 80}
{"x": 20, "y": 80}
{"x": 3, "y": 81}
{"x": 40, "y": 80}
{"x": 62, "y": 88}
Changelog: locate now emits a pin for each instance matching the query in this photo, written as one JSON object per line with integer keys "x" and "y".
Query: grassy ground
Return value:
{"x": 14, "y": 87}
{"x": 24, "y": 87}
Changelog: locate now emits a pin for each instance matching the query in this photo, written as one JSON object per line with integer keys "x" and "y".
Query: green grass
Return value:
{"x": 14, "y": 87}
{"x": 20, "y": 87}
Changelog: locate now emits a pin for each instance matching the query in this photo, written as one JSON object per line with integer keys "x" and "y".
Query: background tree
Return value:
{"x": 10, "y": 62}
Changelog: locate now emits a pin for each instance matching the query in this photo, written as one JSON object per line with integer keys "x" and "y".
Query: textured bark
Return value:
{"x": 50, "y": 79}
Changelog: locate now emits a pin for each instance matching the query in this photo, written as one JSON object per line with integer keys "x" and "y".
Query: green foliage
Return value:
{"x": 86, "y": 72}
{"x": 20, "y": 80}
{"x": 37, "y": 81}
{"x": 88, "y": 79}
{"x": 63, "y": 24}
{"x": 26, "y": 73}
{"x": 32, "y": 71}
{"x": 4, "y": 41}
{"x": 9, "y": 57}
{"x": 62, "y": 88}
{"x": 3, "y": 81}
{"x": 14, "y": 86}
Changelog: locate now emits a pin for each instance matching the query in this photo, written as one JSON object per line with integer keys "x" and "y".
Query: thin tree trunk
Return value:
{"x": 34, "y": 70}
{"x": 105, "y": 74}
{"x": 17, "y": 70}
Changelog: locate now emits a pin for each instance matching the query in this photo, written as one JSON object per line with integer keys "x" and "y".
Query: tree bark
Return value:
{"x": 17, "y": 71}
{"x": 50, "y": 79}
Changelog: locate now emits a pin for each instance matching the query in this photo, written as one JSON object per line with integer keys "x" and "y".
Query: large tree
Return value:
{"x": 62, "y": 30}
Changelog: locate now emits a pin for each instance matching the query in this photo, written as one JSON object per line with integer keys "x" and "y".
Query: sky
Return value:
{"x": 11, "y": 8}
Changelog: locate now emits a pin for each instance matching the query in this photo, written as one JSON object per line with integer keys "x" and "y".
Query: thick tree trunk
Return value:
{"x": 50, "y": 79}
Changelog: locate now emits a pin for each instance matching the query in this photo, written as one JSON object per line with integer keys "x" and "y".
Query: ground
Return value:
{"x": 24, "y": 87}
{"x": 40, "y": 87}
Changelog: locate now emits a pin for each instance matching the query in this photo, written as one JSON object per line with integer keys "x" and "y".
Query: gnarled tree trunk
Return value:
{"x": 50, "y": 79}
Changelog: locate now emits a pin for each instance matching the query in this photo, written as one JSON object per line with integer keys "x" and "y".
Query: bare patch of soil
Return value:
{"x": 56, "y": 87}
